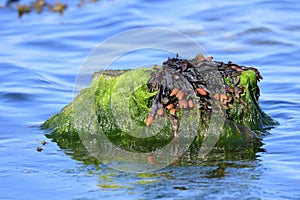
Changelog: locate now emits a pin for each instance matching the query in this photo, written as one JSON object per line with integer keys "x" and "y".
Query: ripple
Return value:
{"x": 255, "y": 31}
{"x": 41, "y": 55}
{"x": 16, "y": 96}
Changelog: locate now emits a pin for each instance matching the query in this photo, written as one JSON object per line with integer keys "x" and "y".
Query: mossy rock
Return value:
{"x": 96, "y": 109}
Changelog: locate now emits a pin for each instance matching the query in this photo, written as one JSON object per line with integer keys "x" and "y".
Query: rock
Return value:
{"x": 102, "y": 105}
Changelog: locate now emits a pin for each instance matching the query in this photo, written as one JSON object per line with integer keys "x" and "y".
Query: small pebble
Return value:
{"x": 180, "y": 95}
{"x": 39, "y": 149}
{"x": 223, "y": 99}
{"x": 201, "y": 92}
{"x": 183, "y": 104}
{"x": 209, "y": 58}
{"x": 174, "y": 92}
{"x": 160, "y": 112}
{"x": 173, "y": 111}
{"x": 190, "y": 103}
{"x": 149, "y": 120}
{"x": 170, "y": 106}
{"x": 217, "y": 96}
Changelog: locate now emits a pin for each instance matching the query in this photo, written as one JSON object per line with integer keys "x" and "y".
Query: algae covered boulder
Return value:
{"x": 210, "y": 104}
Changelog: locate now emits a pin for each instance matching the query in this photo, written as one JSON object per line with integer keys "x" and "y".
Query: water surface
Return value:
{"x": 40, "y": 55}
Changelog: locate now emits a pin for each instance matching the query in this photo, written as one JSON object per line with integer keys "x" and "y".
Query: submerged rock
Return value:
{"x": 167, "y": 99}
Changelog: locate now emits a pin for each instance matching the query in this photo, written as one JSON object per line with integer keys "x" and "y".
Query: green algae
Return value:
{"x": 148, "y": 175}
{"x": 145, "y": 182}
{"x": 101, "y": 107}
{"x": 111, "y": 186}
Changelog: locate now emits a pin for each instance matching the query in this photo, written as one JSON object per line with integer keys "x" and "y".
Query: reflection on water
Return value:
{"x": 41, "y": 54}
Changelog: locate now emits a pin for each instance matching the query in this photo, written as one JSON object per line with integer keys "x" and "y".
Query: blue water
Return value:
{"x": 40, "y": 55}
